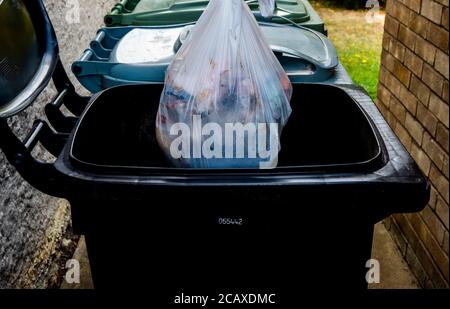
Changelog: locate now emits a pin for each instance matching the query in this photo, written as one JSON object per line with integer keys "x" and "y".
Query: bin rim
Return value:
{"x": 376, "y": 162}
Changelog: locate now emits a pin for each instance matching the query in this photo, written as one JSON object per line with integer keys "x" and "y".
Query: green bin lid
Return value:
{"x": 169, "y": 12}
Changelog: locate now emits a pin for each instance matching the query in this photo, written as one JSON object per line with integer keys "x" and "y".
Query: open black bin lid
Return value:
{"x": 28, "y": 54}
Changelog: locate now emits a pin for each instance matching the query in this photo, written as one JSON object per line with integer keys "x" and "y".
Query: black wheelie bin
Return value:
{"x": 307, "y": 223}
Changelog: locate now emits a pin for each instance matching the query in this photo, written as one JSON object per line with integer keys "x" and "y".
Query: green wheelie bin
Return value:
{"x": 169, "y": 12}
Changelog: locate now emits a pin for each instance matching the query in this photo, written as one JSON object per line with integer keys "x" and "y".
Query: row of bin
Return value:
{"x": 342, "y": 169}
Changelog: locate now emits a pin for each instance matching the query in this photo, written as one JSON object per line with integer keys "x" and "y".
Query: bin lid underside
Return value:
{"x": 19, "y": 52}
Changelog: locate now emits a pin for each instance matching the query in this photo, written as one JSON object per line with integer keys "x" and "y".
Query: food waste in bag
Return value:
{"x": 226, "y": 97}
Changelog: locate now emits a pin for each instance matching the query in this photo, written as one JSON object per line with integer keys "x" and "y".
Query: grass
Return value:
{"x": 358, "y": 42}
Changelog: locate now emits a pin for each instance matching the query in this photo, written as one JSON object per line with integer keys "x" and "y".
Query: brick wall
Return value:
{"x": 413, "y": 96}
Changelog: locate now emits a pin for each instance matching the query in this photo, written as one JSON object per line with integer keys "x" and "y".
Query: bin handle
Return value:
{"x": 87, "y": 55}
{"x": 74, "y": 102}
{"x": 58, "y": 120}
{"x": 52, "y": 141}
{"x": 43, "y": 176}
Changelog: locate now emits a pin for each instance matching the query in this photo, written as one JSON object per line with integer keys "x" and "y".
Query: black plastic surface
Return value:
{"x": 327, "y": 131}
{"x": 28, "y": 54}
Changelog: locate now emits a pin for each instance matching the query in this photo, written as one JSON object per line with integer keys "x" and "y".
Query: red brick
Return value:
{"x": 383, "y": 75}
{"x": 445, "y": 245}
{"x": 421, "y": 158}
{"x": 406, "y": 229}
{"x": 432, "y": 10}
{"x": 445, "y": 167}
{"x": 383, "y": 95}
{"x": 387, "y": 223}
{"x": 440, "y": 277}
{"x": 433, "y": 150}
{"x": 399, "y": 238}
{"x": 418, "y": 225}
{"x": 414, "y": 128}
{"x": 408, "y": 100}
{"x": 441, "y": 64}
{"x": 387, "y": 38}
{"x": 414, "y": 63}
{"x": 391, "y": 26}
{"x": 407, "y": 37}
{"x": 402, "y": 73}
{"x": 390, "y": 6}
{"x": 432, "y": 78}
{"x": 379, "y": 104}
{"x": 387, "y": 115}
{"x": 438, "y": 36}
{"x": 443, "y": 2}
{"x": 433, "y": 198}
{"x": 390, "y": 118}
{"x": 401, "y": 13}
{"x": 403, "y": 135}
{"x": 388, "y": 60}
{"x": 421, "y": 264}
{"x": 445, "y": 92}
{"x": 419, "y": 24}
{"x": 432, "y": 247}
{"x": 413, "y": 5}
{"x": 394, "y": 85}
{"x": 427, "y": 119}
{"x": 442, "y": 136}
{"x": 397, "y": 50}
{"x": 441, "y": 259}
{"x": 444, "y": 21}
{"x": 420, "y": 90}
{"x": 397, "y": 109}
{"x": 439, "y": 108}
{"x": 425, "y": 50}
{"x": 434, "y": 224}
{"x": 439, "y": 181}
{"x": 442, "y": 212}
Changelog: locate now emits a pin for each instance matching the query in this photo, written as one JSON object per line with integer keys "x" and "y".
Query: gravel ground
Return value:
{"x": 35, "y": 228}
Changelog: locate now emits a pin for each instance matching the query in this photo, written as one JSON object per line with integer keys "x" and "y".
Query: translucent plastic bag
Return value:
{"x": 226, "y": 96}
{"x": 267, "y": 8}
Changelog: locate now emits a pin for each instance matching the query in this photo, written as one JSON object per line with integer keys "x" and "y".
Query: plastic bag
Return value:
{"x": 226, "y": 96}
{"x": 267, "y": 7}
